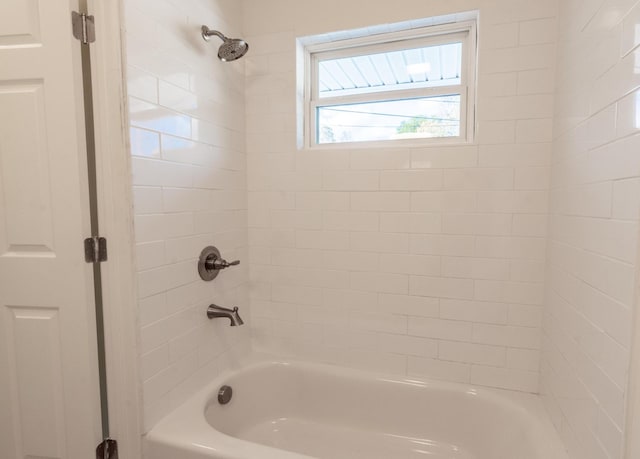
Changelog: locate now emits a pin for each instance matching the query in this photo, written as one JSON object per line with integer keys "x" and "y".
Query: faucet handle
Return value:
{"x": 222, "y": 264}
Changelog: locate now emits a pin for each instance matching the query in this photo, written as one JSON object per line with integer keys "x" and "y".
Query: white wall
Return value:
{"x": 189, "y": 177}
{"x": 595, "y": 205}
{"x": 423, "y": 261}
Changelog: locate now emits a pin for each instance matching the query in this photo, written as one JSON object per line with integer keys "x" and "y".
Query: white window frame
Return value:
{"x": 464, "y": 32}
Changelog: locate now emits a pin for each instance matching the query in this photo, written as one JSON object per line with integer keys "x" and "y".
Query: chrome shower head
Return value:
{"x": 231, "y": 48}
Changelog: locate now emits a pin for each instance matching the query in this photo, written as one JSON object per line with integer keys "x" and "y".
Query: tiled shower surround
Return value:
{"x": 189, "y": 181}
{"x": 457, "y": 262}
{"x": 592, "y": 265}
{"x": 415, "y": 261}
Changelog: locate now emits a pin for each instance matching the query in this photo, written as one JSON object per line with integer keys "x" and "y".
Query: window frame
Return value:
{"x": 464, "y": 32}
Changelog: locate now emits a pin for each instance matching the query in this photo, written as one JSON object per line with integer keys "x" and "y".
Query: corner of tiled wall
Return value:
{"x": 189, "y": 178}
{"x": 595, "y": 205}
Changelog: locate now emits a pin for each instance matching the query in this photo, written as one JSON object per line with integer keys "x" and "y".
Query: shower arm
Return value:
{"x": 207, "y": 33}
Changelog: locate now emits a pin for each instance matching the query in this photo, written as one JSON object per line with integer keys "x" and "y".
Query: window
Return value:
{"x": 393, "y": 87}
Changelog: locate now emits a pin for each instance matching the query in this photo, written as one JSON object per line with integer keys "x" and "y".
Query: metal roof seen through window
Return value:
{"x": 422, "y": 67}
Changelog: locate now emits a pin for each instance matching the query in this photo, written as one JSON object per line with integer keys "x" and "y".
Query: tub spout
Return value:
{"x": 214, "y": 311}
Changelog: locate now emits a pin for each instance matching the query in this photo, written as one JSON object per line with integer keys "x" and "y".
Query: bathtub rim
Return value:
{"x": 186, "y": 429}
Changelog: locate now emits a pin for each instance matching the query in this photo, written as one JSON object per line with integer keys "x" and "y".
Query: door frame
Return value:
{"x": 115, "y": 214}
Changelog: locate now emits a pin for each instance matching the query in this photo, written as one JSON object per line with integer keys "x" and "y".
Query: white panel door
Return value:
{"x": 49, "y": 404}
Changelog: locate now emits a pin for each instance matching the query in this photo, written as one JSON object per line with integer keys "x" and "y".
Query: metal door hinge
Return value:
{"x": 84, "y": 28}
{"x": 95, "y": 249}
{"x": 108, "y": 449}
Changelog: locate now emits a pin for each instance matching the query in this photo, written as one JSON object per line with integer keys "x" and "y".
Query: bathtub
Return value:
{"x": 290, "y": 410}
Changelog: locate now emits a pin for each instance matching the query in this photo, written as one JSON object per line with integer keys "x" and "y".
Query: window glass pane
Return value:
{"x": 390, "y": 120}
{"x": 424, "y": 67}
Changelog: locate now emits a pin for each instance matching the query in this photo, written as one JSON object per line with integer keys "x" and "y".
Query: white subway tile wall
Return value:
{"x": 415, "y": 261}
{"x": 595, "y": 206}
{"x": 189, "y": 179}
{"x": 509, "y": 262}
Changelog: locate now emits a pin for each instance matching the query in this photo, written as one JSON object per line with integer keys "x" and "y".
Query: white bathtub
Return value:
{"x": 287, "y": 410}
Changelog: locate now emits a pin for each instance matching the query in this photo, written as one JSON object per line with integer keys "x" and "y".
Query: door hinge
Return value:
{"x": 108, "y": 449}
{"x": 95, "y": 249}
{"x": 84, "y": 28}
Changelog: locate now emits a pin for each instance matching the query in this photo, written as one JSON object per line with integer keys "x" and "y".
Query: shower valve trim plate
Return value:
{"x": 211, "y": 263}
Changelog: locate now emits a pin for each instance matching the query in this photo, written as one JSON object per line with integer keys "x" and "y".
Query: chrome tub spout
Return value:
{"x": 214, "y": 311}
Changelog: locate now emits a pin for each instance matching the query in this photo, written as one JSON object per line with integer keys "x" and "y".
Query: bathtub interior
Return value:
{"x": 327, "y": 414}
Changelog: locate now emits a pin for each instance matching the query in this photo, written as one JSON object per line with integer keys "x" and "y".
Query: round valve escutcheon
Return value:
{"x": 211, "y": 263}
